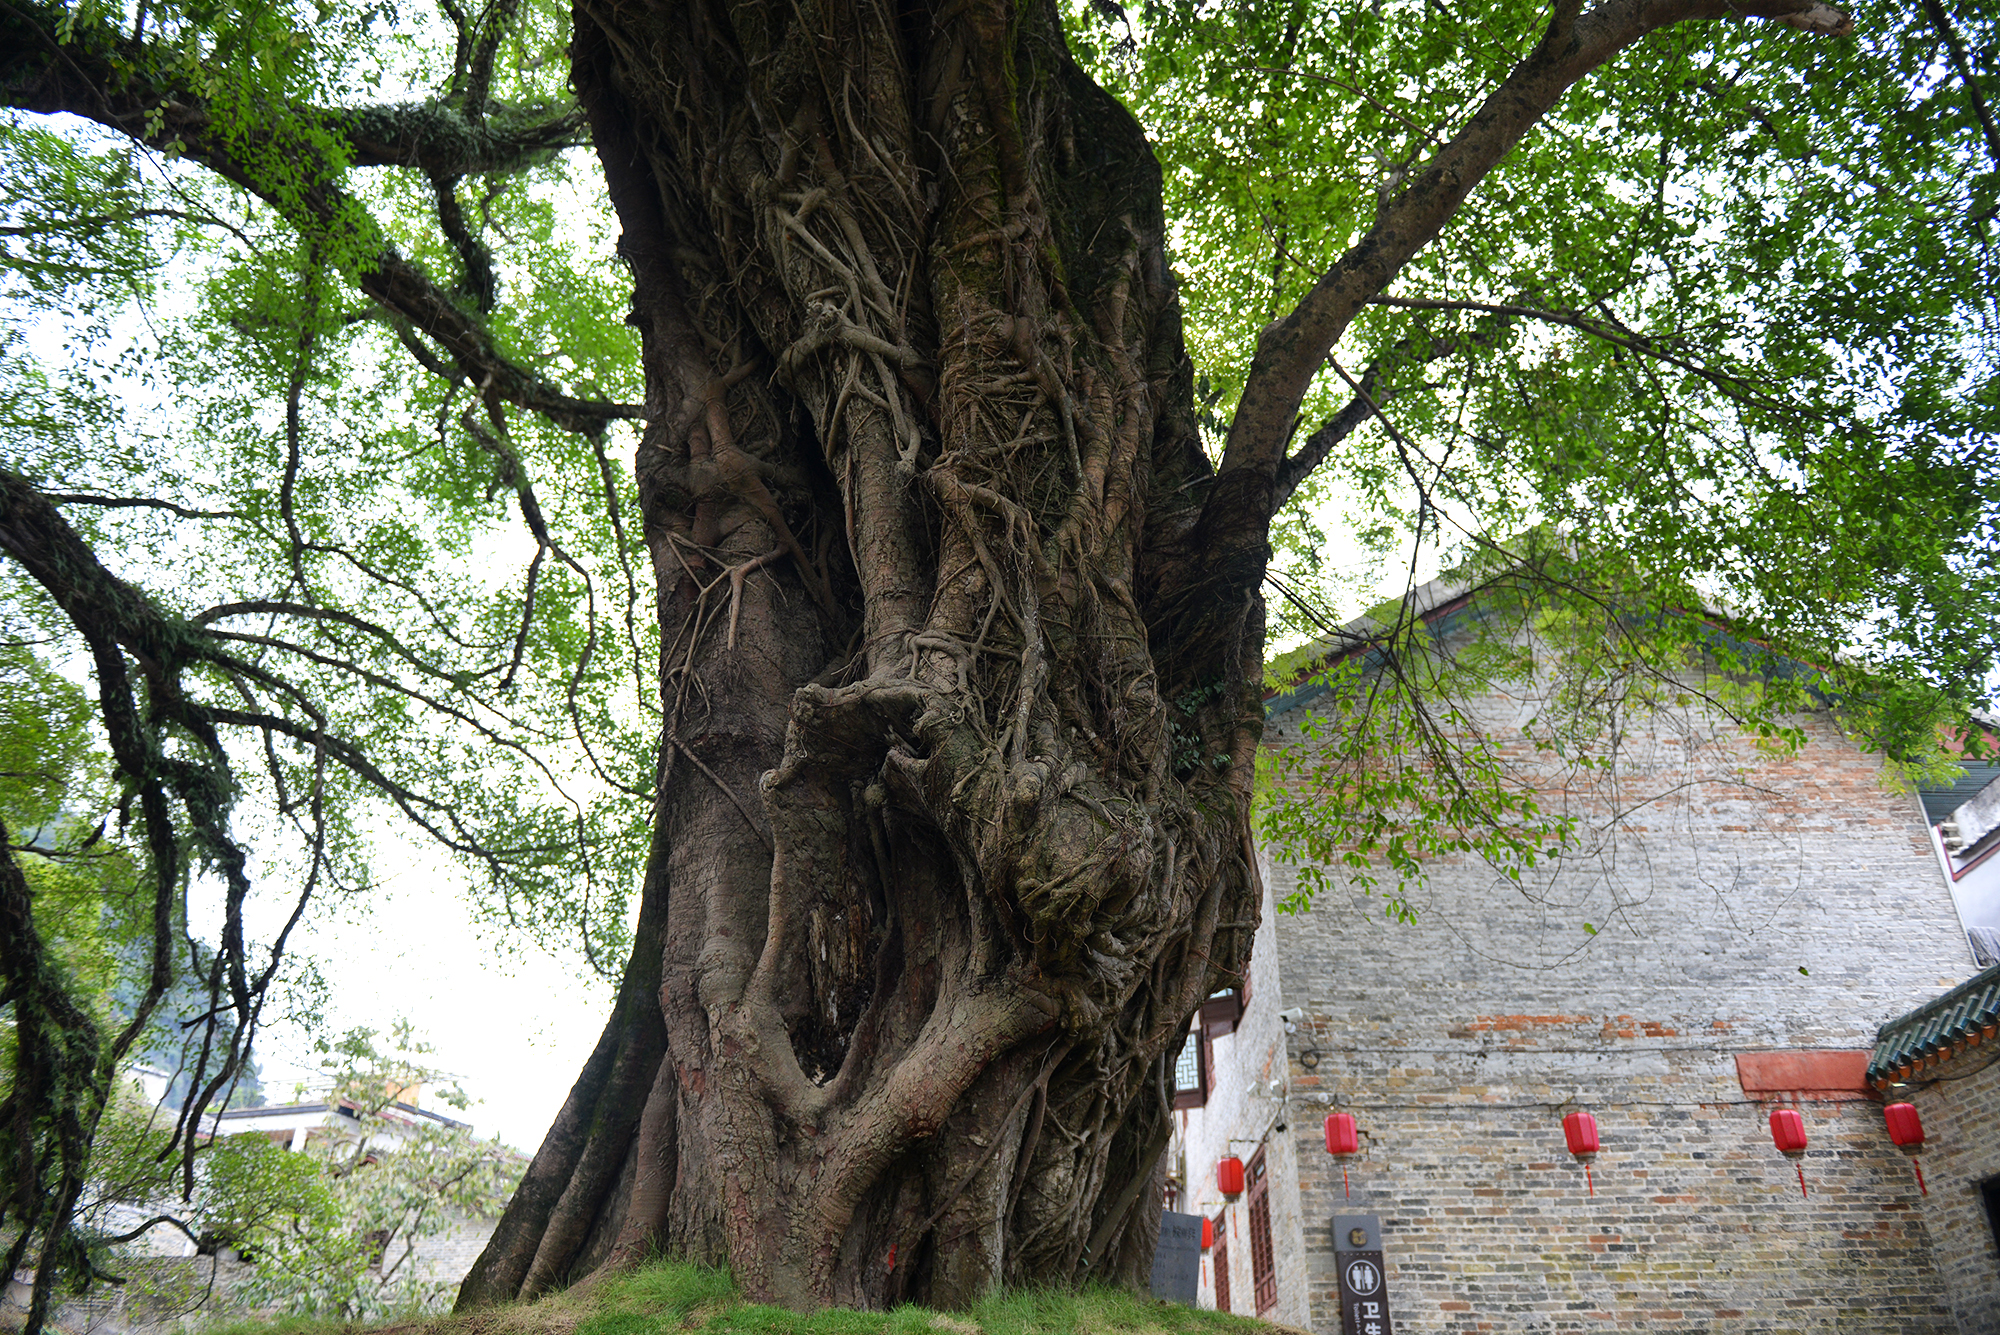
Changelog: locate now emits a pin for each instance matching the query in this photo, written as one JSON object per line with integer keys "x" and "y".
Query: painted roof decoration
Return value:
{"x": 1937, "y": 1031}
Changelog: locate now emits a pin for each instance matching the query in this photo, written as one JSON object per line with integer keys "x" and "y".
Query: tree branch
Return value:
{"x": 481, "y": 284}
{"x": 493, "y": 25}
{"x": 89, "y": 222}
{"x": 104, "y": 77}
{"x": 1234, "y": 527}
{"x": 1331, "y": 432}
{"x": 1962, "y": 66}
{"x": 130, "y": 1234}
{"x": 136, "y": 503}
{"x": 1736, "y": 387}
{"x": 440, "y": 141}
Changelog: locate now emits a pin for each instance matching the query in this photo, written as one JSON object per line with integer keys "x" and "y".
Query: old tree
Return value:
{"x": 968, "y": 404}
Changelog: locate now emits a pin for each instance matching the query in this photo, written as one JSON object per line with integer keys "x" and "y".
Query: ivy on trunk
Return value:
{"x": 951, "y": 836}
{"x": 961, "y": 629}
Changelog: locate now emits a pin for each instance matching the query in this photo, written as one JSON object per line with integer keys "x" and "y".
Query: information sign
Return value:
{"x": 1364, "y": 1289}
{"x": 1177, "y": 1260}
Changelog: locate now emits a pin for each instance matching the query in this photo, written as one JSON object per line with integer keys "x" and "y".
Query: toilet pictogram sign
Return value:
{"x": 1364, "y": 1289}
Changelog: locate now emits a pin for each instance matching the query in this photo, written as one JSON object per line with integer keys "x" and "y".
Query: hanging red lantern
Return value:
{"x": 1207, "y": 1232}
{"x": 1229, "y": 1176}
{"x": 1906, "y": 1129}
{"x": 1788, "y": 1133}
{"x": 1342, "y": 1139}
{"x": 1580, "y": 1130}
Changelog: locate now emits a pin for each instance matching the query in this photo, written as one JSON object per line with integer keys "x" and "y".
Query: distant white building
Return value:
{"x": 294, "y": 1127}
{"x": 1964, "y": 819}
{"x": 298, "y": 1125}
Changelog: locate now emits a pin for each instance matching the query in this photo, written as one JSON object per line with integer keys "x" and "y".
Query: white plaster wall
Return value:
{"x": 1240, "y": 1117}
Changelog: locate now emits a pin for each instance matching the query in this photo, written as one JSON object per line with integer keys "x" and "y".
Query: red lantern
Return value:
{"x": 1229, "y": 1176}
{"x": 1580, "y": 1130}
{"x": 1906, "y": 1129}
{"x": 1342, "y": 1139}
{"x": 1788, "y": 1133}
{"x": 1207, "y": 1232}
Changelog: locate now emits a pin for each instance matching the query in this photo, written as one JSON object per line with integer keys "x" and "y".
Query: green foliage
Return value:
{"x": 303, "y": 488}
{"x": 1724, "y": 321}
{"x": 669, "y": 1296}
{"x": 664, "y": 1292}
{"x": 674, "y": 1296}
{"x": 244, "y": 1192}
{"x": 391, "y": 1181}
{"x": 45, "y": 745}
{"x": 1727, "y": 310}
{"x": 359, "y": 1258}
{"x": 372, "y": 1070}
{"x": 1401, "y": 763}
{"x": 314, "y": 530}
{"x": 335, "y": 1230}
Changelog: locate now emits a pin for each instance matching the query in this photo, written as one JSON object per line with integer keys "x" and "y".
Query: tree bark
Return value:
{"x": 963, "y": 642}
{"x": 951, "y": 841}
{"x": 962, "y": 633}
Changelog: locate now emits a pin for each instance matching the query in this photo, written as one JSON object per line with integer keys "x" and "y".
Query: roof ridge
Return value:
{"x": 1942, "y": 1001}
{"x": 1936, "y": 1027}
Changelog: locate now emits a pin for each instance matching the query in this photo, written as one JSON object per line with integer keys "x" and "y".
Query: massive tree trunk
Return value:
{"x": 952, "y": 826}
{"x": 962, "y": 643}
{"x": 962, "y": 638}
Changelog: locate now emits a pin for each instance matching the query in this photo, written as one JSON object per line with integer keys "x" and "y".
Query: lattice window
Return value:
{"x": 1191, "y": 1069}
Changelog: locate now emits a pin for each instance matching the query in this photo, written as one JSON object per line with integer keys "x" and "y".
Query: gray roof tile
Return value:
{"x": 1936, "y": 1029}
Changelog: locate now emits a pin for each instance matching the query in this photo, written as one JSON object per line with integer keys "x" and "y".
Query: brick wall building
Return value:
{"x": 1752, "y": 921}
{"x": 1941, "y": 1059}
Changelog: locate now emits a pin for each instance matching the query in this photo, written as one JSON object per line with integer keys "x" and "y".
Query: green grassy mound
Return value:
{"x": 670, "y": 1297}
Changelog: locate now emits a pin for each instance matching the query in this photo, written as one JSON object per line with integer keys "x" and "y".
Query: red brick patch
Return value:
{"x": 1808, "y": 1075}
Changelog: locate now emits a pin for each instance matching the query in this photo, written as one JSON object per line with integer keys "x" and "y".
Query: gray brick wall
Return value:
{"x": 1744, "y": 903}
{"x": 1960, "y": 1105}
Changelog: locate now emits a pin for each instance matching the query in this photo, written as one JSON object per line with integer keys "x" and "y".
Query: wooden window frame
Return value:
{"x": 1221, "y": 1257}
{"x": 1204, "y": 1070}
{"x": 1263, "y": 1256}
{"x": 1219, "y": 1015}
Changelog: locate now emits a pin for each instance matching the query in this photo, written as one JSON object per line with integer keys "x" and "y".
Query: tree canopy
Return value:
{"x": 321, "y": 414}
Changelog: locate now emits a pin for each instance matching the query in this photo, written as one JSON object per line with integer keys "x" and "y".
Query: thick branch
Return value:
{"x": 1236, "y": 519}
{"x": 34, "y": 533}
{"x": 493, "y": 24}
{"x": 439, "y": 141}
{"x": 1335, "y": 429}
{"x": 115, "y": 82}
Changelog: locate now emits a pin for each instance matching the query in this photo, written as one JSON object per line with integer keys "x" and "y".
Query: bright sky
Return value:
{"x": 514, "y": 1028}
{"x": 513, "y": 1025}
